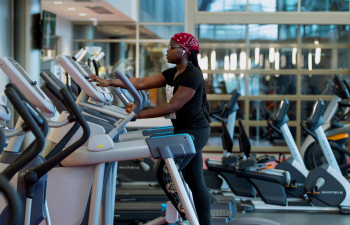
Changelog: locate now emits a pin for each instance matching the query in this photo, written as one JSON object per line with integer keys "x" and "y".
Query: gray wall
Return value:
{"x": 6, "y": 38}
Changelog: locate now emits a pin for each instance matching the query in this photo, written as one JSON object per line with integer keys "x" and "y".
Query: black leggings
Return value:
{"x": 192, "y": 169}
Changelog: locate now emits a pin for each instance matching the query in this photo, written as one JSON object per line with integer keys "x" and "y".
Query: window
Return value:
{"x": 222, "y": 5}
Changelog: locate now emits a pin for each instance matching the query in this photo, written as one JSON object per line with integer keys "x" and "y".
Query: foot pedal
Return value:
{"x": 247, "y": 206}
{"x": 220, "y": 213}
{"x": 219, "y": 221}
{"x": 345, "y": 210}
{"x": 223, "y": 198}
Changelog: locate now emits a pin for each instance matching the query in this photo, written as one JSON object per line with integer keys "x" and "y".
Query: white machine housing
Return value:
{"x": 87, "y": 72}
{"x": 21, "y": 79}
{"x": 5, "y": 114}
{"x": 77, "y": 74}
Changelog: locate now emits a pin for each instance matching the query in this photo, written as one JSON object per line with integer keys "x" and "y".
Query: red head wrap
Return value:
{"x": 187, "y": 41}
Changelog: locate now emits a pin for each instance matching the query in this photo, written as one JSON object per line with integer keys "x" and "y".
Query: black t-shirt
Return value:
{"x": 191, "y": 115}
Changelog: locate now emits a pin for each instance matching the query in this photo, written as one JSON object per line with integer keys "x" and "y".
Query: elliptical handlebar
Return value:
{"x": 144, "y": 98}
{"x": 12, "y": 197}
{"x": 123, "y": 95}
{"x": 39, "y": 141}
{"x": 14, "y": 202}
{"x": 316, "y": 119}
{"x": 142, "y": 93}
{"x": 38, "y": 119}
{"x": 244, "y": 143}
{"x": 95, "y": 66}
{"x": 270, "y": 123}
{"x": 58, "y": 95}
{"x": 232, "y": 104}
{"x": 281, "y": 116}
{"x": 131, "y": 89}
{"x": 43, "y": 168}
{"x": 341, "y": 89}
{"x": 37, "y": 115}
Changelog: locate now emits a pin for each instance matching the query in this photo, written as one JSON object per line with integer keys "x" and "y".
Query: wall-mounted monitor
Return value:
{"x": 49, "y": 30}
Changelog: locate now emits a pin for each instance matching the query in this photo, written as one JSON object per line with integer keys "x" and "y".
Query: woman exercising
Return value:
{"x": 189, "y": 112}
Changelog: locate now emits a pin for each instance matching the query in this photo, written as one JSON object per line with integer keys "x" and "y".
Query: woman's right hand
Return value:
{"x": 101, "y": 82}
{"x": 129, "y": 107}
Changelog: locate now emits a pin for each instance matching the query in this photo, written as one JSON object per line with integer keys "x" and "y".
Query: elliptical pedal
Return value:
{"x": 247, "y": 206}
{"x": 220, "y": 213}
{"x": 219, "y": 221}
{"x": 223, "y": 198}
{"x": 345, "y": 210}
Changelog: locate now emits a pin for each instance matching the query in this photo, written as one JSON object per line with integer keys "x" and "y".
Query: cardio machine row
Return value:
{"x": 80, "y": 182}
{"x": 292, "y": 185}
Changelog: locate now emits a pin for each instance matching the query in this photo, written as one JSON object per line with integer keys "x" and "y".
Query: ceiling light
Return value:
{"x": 318, "y": 56}
{"x": 277, "y": 60}
{"x": 92, "y": 19}
{"x": 213, "y": 60}
{"x": 316, "y": 42}
{"x": 310, "y": 61}
{"x": 242, "y": 60}
{"x": 57, "y": 2}
{"x": 204, "y": 63}
{"x": 271, "y": 55}
{"x": 294, "y": 56}
{"x": 256, "y": 57}
{"x": 71, "y": 8}
{"x": 233, "y": 61}
{"x": 226, "y": 62}
{"x": 82, "y": 14}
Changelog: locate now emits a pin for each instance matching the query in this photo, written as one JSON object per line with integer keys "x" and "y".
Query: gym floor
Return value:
{"x": 298, "y": 218}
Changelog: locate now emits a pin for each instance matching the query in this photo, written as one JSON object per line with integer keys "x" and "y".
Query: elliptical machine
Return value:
{"x": 14, "y": 203}
{"x": 325, "y": 185}
{"x": 239, "y": 186}
{"x": 294, "y": 165}
{"x": 310, "y": 150}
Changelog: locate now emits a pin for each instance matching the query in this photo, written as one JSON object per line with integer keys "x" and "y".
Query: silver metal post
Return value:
{"x": 96, "y": 194}
{"x": 326, "y": 149}
{"x": 291, "y": 144}
{"x": 48, "y": 220}
{"x": 180, "y": 189}
{"x": 28, "y": 211}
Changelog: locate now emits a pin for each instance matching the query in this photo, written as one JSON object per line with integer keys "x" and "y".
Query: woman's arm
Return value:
{"x": 139, "y": 83}
{"x": 181, "y": 97}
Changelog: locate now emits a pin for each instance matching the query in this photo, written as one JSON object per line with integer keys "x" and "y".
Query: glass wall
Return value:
{"x": 273, "y": 5}
{"x": 269, "y": 62}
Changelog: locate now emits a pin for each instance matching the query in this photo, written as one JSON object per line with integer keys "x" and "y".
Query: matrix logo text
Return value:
{"x": 332, "y": 192}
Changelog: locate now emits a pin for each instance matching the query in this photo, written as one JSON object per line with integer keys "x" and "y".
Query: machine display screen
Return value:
{"x": 88, "y": 72}
{"x": 25, "y": 75}
{"x": 79, "y": 70}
